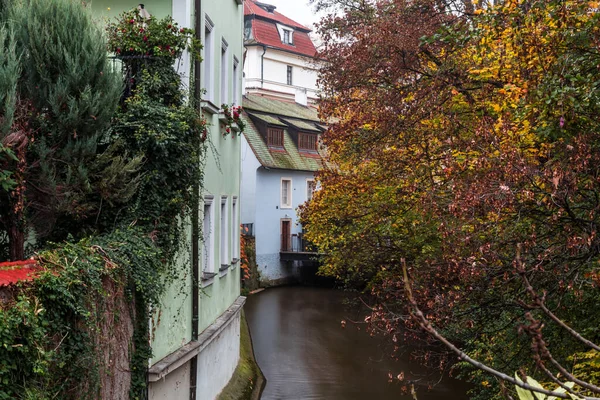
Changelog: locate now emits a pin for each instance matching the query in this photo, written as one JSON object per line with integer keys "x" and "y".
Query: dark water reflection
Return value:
{"x": 305, "y": 354}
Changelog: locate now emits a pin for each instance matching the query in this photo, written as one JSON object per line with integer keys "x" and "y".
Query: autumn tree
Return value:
{"x": 465, "y": 146}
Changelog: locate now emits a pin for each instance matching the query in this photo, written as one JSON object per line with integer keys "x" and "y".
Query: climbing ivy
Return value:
{"x": 158, "y": 122}
{"x": 47, "y": 327}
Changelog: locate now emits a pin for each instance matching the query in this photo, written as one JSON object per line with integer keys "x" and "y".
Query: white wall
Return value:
{"x": 274, "y": 73}
{"x": 174, "y": 386}
{"x": 304, "y": 72}
{"x": 218, "y": 361}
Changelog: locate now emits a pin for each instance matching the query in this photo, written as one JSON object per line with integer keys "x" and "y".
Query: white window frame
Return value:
{"x": 290, "y": 190}
{"x": 282, "y": 29}
{"x": 208, "y": 59}
{"x": 235, "y": 230}
{"x": 225, "y": 261}
{"x": 224, "y": 71}
{"x": 208, "y": 235}
{"x": 236, "y": 78}
{"x": 309, "y": 193}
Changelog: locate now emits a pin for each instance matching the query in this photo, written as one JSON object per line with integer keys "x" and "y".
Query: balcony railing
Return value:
{"x": 296, "y": 243}
{"x": 248, "y": 229}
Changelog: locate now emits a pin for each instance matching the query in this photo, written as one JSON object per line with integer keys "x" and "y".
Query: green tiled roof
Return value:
{"x": 268, "y": 119}
{"x": 270, "y": 111}
{"x": 290, "y": 159}
{"x": 301, "y": 125}
{"x": 267, "y": 105}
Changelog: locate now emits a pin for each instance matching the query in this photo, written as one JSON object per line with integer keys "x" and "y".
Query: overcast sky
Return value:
{"x": 298, "y": 10}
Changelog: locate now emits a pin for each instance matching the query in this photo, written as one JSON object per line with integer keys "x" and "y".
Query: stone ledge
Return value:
{"x": 188, "y": 351}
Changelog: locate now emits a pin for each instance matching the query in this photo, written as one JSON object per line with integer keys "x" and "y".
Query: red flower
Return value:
{"x": 181, "y": 30}
{"x": 169, "y": 26}
{"x": 132, "y": 21}
{"x": 145, "y": 38}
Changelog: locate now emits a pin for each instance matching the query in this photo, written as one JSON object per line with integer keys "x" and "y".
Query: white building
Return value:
{"x": 280, "y": 56}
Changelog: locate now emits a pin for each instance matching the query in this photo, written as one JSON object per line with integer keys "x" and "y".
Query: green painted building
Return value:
{"x": 195, "y": 334}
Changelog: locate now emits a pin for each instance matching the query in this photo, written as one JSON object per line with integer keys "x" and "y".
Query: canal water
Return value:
{"x": 305, "y": 354}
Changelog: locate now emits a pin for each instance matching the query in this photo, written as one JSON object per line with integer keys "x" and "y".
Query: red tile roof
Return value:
{"x": 251, "y": 8}
{"x": 266, "y": 33}
{"x": 17, "y": 271}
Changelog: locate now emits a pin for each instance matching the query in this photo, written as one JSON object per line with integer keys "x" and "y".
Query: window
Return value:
{"x": 236, "y": 85}
{"x": 235, "y": 230}
{"x": 287, "y": 36}
{"x": 208, "y": 61}
{"x": 247, "y": 29}
{"x": 224, "y": 72}
{"x": 224, "y": 234}
{"x": 310, "y": 188}
{"x": 289, "y": 74}
{"x": 286, "y": 193}
{"x": 307, "y": 142}
{"x": 275, "y": 137}
{"x": 208, "y": 265}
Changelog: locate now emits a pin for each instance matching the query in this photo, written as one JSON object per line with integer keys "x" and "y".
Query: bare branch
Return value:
{"x": 539, "y": 302}
{"x": 555, "y": 379}
{"x": 428, "y": 327}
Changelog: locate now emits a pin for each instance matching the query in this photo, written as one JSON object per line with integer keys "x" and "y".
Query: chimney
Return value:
{"x": 301, "y": 97}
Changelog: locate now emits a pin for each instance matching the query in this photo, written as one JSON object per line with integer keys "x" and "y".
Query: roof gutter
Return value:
{"x": 262, "y": 66}
{"x": 269, "y": 168}
{"x": 285, "y": 51}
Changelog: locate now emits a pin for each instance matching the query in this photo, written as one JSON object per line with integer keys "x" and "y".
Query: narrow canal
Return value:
{"x": 305, "y": 354}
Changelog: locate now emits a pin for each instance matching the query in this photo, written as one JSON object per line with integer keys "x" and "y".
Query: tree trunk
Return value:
{"x": 16, "y": 238}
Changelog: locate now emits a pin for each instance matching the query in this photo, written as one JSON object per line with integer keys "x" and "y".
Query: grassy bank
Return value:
{"x": 247, "y": 380}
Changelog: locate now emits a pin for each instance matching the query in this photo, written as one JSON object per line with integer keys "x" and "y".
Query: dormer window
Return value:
{"x": 286, "y": 33}
{"x": 307, "y": 142}
{"x": 287, "y": 36}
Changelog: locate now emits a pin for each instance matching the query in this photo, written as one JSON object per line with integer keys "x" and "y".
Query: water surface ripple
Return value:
{"x": 305, "y": 354}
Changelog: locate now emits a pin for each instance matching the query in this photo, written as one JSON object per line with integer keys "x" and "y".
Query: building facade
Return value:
{"x": 281, "y": 148}
{"x": 196, "y": 333}
{"x": 280, "y": 56}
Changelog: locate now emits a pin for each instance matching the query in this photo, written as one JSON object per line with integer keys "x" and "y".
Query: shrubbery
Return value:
{"x": 99, "y": 171}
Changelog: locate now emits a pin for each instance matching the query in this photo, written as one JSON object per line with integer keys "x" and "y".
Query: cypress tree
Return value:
{"x": 9, "y": 73}
{"x": 67, "y": 94}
